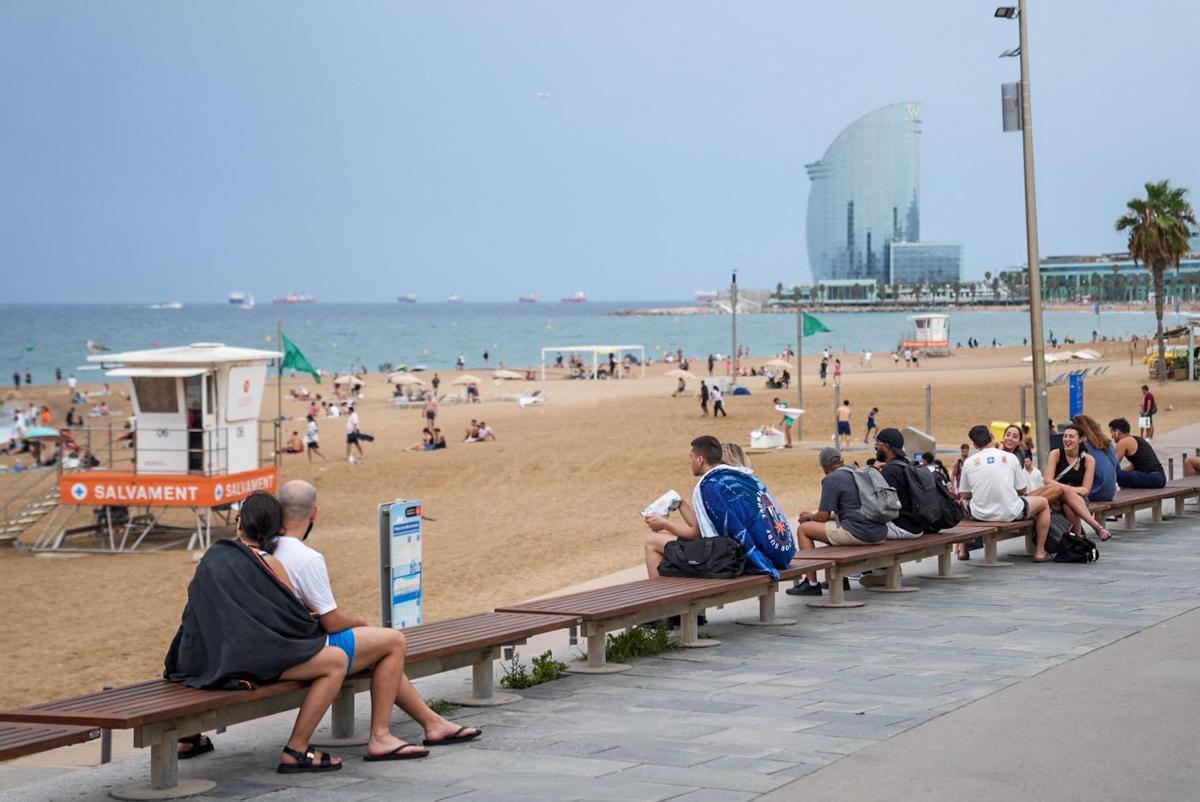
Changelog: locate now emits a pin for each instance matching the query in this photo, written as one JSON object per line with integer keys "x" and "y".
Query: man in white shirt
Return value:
{"x": 378, "y": 648}
{"x": 993, "y": 482}
{"x": 352, "y": 435}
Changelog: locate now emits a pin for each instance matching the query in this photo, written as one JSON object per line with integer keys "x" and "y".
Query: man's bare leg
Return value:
{"x": 656, "y": 542}
{"x": 382, "y": 650}
{"x": 325, "y": 673}
{"x": 806, "y": 534}
{"x": 436, "y": 727}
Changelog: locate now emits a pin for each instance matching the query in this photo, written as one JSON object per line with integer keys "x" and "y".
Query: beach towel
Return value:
{"x": 241, "y": 627}
{"x": 731, "y": 502}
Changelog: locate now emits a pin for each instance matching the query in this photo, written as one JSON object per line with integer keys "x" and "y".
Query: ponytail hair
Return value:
{"x": 262, "y": 520}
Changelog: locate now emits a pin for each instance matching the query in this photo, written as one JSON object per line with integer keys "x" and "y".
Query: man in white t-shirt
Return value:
{"x": 352, "y": 435}
{"x": 378, "y": 648}
{"x": 994, "y": 482}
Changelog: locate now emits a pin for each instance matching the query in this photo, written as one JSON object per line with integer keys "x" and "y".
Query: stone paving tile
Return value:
{"x": 714, "y": 795}
{"x": 623, "y": 787}
{"x": 706, "y": 778}
{"x": 756, "y": 765}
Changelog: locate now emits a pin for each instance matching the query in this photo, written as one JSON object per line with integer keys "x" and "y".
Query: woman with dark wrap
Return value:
{"x": 243, "y": 626}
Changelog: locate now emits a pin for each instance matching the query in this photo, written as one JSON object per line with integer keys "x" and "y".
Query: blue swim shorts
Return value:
{"x": 344, "y": 640}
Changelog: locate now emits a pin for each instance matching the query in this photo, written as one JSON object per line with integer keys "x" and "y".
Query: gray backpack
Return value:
{"x": 878, "y": 500}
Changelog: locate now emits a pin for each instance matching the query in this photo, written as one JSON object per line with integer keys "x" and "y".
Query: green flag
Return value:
{"x": 293, "y": 358}
{"x": 812, "y": 325}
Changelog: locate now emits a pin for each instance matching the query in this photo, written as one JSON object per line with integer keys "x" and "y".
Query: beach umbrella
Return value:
{"x": 467, "y": 378}
{"x": 1086, "y": 353}
{"x": 507, "y": 374}
{"x": 403, "y": 379}
{"x": 778, "y": 363}
{"x": 42, "y": 433}
{"x": 679, "y": 373}
{"x": 351, "y": 380}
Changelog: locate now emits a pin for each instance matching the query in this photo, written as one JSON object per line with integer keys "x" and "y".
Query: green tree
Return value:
{"x": 1159, "y": 227}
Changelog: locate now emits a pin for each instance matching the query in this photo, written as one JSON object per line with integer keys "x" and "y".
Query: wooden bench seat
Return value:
{"x": 18, "y": 740}
{"x": 1128, "y": 501}
{"x": 617, "y": 607}
{"x": 889, "y": 554}
{"x": 159, "y": 712}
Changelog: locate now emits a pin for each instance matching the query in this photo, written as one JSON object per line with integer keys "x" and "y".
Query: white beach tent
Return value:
{"x": 599, "y": 354}
{"x": 401, "y": 379}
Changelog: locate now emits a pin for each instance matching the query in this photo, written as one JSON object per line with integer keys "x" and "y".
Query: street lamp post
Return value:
{"x": 1040, "y": 410}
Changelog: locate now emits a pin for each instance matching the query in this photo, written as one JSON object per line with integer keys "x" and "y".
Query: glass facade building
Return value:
{"x": 866, "y": 195}
{"x": 913, "y": 263}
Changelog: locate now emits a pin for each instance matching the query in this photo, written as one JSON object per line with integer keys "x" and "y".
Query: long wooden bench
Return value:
{"x": 18, "y": 740}
{"x": 159, "y": 712}
{"x": 617, "y": 607}
{"x": 890, "y": 554}
{"x": 1128, "y": 501}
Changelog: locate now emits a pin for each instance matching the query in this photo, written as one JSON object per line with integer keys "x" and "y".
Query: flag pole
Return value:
{"x": 799, "y": 369}
{"x": 279, "y": 387}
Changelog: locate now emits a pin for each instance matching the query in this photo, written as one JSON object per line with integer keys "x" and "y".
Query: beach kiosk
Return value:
{"x": 930, "y": 335}
{"x": 196, "y": 445}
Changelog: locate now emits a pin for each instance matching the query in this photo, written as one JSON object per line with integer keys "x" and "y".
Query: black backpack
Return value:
{"x": 1059, "y": 526}
{"x": 1075, "y": 549}
{"x": 951, "y": 509}
{"x": 934, "y": 503}
{"x": 704, "y": 558}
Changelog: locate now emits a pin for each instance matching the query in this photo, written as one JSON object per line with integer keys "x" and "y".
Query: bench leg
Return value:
{"x": 766, "y": 612}
{"x": 1131, "y": 523}
{"x": 837, "y": 596}
{"x": 483, "y": 692}
{"x": 340, "y": 732}
{"x": 1181, "y": 508}
{"x": 596, "y": 662}
{"x": 990, "y": 554}
{"x": 164, "y": 775}
{"x": 945, "y": 563}
{"x": 1156, "y": 512}
{"x": 689, "y": 632}
{"x": 893, "y": 582}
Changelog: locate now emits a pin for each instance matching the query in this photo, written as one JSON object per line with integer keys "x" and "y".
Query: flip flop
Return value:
{"x": 201, "y": 745}
{"x": 456, "y": 738}
{"x": 1046, "y": 559}
{"x": 398, "y": 754}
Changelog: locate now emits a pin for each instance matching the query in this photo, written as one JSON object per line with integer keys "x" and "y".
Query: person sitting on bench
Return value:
{"x": 1072, "y": 471}
{"x": 1191, "y": 466}
{"x": 378, "y": 648}
{"x": 728, "y": 501}
{"x": 1146, "y": 470}
{"x": 838, "y": 519}
{"x": 243, "y": 626}
{"x": 993, "y": 483}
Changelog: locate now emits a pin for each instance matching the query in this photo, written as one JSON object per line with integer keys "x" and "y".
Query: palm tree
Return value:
{"x": 1159, "y": 235}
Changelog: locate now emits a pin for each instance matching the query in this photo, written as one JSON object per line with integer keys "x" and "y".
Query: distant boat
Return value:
{"x": 237, "y": 297}
{"x": 247, "y": 302}
{"x": 453, "y": 299}
{"x": 410, "y": 298}
{"x": 167, "y": 305}
{"x": 295, "y": 298}
{"x": 705, "y": 296}
{"x": 577, "y": 298}
{"x": 531, "y": 298}
{"x": 97, "y": 348}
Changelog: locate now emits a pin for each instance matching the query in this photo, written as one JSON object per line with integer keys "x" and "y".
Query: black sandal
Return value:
{"x": 456, "y": 738}
{"x": 200, "y": 746}
{"x": 305, "y": 762}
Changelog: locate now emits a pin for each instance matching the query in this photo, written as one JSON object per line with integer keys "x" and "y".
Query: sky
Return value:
{"x": 632, "y": 150}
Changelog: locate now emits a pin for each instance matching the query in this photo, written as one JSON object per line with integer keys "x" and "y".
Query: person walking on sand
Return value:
{"x": 843, "y": 423}
{"x": 431, "y": 411}
{"x": 1146, "y": 415}
{"x": 718, "y": 400}
{"x": 786, "y": 422}
{"x": 824, "y": 370}
{"x": 704, "y": 395}
{"x": 352, "y": 437}
{"x": 837, "y": 373}
{"x": 871, "y": 425}
{"x": 313, "y": 439}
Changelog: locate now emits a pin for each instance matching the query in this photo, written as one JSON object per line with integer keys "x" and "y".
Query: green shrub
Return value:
{"x": 638, "y": 642}
{"x": 517, "y": 675}
{"x": 441, "y": 706}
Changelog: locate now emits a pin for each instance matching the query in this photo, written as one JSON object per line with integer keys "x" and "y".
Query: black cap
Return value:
{"x": 893, "y": 438}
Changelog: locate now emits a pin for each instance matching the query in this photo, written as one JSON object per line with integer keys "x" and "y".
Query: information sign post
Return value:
{"x": 1076, "y": 395}
{"x": 400, "y": 563}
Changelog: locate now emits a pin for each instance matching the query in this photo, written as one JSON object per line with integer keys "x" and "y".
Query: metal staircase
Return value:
{"x": 35, "y": 503}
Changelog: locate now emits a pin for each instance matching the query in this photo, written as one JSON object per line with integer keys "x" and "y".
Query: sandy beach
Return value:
{"x": 553, "y": 502}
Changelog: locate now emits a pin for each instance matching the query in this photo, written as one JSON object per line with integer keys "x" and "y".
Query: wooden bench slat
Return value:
{"x": 160, "y": 700}
{"x": 18, "y": 740}
{"x": 889, "y": 548}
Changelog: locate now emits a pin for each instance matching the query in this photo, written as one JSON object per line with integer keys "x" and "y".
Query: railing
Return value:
{"x": 202, "y": 451}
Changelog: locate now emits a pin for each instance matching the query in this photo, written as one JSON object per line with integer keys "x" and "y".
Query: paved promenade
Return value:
{"x": 1020, "y": 682}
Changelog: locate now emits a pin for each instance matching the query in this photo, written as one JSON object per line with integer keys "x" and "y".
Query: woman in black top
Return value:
{"x": 1070, "y": 471}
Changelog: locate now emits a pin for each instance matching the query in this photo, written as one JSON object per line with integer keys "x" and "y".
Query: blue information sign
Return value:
{"x": 1076, "y": 395}
{"x": 400, "y": 563}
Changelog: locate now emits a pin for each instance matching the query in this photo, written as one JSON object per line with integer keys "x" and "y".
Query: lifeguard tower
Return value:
{"x": 197, "y": 445}
{"x": 930, "y": 335}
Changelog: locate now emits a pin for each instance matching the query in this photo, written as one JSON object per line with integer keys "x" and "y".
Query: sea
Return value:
{"x": 341, "y": 337}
